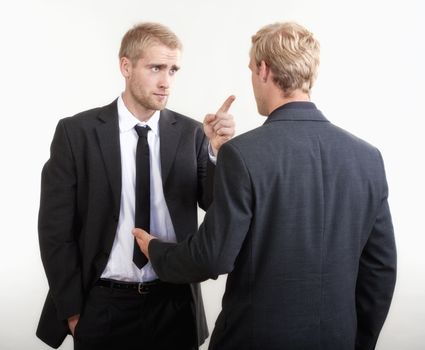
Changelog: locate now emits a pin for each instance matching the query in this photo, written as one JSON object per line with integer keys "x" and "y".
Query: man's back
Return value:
{"x": 316, "y": 193}
{"x": 300, "y": 219}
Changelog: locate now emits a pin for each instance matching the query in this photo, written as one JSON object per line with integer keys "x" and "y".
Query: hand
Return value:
{"x": 72, "y": 323}
{"x": 143, "y": 239}
{"x": 220, "y": 127}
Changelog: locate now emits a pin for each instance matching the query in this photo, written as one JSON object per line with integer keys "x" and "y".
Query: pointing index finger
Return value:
{"x": 226, "y": 105}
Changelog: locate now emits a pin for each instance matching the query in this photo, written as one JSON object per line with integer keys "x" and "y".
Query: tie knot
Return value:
{"x": 142, "y": 130}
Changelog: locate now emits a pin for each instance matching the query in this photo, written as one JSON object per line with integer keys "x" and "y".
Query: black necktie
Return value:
{"x": 143, "y": 193}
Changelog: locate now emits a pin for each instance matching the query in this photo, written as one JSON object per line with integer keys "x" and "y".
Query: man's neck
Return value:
{"x": 136, "y": 109}
{"x": 280, "y": 99}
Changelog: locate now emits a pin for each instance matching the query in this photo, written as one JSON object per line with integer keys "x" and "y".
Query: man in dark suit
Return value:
{"x": 300, "y": 219}
{"x": 110, "y": 167}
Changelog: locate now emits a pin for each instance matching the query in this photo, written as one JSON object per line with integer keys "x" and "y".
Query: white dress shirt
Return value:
{"x": 120, "y": 265}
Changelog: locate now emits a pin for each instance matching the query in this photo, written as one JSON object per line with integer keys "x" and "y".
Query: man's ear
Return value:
{"x": 264, "y": 71}
{"x": 125, "y": 67}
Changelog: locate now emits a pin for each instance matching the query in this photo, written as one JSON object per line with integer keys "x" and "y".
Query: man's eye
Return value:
{"x": 155, "y": 69}
{"x": 173, "y": 71}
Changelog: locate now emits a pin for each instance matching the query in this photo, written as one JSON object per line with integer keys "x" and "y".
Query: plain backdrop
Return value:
{"x": 60, "y": 57}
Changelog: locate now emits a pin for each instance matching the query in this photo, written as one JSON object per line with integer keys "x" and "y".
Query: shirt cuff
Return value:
{"x": 213, "y": 158}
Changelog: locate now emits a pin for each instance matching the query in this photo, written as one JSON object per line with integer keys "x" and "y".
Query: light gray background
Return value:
{"x": 60, "y": 57}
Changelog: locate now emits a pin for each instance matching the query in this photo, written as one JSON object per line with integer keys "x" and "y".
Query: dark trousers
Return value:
{"x": 126, "y": 320}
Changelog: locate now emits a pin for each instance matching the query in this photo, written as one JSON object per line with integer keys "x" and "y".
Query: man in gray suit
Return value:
{"x": 111, "y": 167}
{"x": 300, "y": 219}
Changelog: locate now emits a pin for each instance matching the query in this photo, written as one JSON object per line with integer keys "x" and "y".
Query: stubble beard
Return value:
{"x": 149, "y": 102}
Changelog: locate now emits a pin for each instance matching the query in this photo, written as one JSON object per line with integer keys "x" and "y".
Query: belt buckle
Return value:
{"x": 142, "y": 289}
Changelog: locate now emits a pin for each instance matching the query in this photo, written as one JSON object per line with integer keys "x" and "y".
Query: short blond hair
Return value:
{"x": 144, "y": 35}
{"x": 292, "y": 54}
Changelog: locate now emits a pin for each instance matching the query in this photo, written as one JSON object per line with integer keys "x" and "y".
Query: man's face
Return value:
{"x": 150, "y": 79}
{"x": 256, "y": 87}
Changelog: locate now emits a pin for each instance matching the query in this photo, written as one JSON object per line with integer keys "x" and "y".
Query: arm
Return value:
{"x": 57, "y": 226}
{"x": 213, "y": 250}
{"x": 205, "y": 175}
{"x": 376, "y": 278}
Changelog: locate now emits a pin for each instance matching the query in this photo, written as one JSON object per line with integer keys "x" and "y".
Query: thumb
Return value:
{"x": 138, "y": 232}
{"x": 209, "y": 118}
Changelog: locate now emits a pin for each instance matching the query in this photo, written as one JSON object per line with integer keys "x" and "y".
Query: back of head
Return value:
{"x": 292, "y": 54}
{"x": 144, "y": 35}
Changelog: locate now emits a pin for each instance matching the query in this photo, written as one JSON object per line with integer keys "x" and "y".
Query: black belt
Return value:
{"x": 154, "y": 287}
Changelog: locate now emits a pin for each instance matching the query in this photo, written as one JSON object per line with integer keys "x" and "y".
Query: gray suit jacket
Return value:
{"x": 301, "y": 223}
{"x": 80, "y": 205}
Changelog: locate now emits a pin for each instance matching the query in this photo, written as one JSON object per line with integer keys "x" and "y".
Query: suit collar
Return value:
{"x": 296, "y": 111}
{"x": 109, "y": 141}
{"x": 109, "y": 113}
{"x": 169, "y": 136}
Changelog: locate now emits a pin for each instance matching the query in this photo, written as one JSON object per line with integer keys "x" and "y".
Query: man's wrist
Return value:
{"x": 212, "y": 155}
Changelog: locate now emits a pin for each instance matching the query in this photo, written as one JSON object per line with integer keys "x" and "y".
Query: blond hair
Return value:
{"x": 292, "y": 54}
{"x": 143, "y": 35}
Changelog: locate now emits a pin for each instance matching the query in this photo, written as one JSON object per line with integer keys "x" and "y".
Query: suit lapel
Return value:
{"x": 109, "y": 141}
{"x": 169, "y": 132}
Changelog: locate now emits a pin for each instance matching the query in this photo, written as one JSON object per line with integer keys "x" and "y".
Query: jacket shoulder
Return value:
{"x": 352, "y": 139}
{"x": 90, "y": 116}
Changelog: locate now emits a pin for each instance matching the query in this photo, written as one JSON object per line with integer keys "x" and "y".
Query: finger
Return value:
{"x": 223, "y": 116}
{"x": 226, "y": 105}
{"x": 225, "y": 132}
{"x": 138, "y": 233}
{"x": 209, "y": 118}
{"x": 227, "y": 123}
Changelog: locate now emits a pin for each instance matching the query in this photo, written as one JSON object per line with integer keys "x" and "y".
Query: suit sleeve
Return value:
{"x": 376, "y": 277}
{"x": 57, "y": 227}
{"x": 213, "y": 250}
{"x": 206, "y": 171}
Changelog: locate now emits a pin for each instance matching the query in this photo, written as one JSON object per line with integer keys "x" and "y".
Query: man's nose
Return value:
{"x": 164, "y": 82}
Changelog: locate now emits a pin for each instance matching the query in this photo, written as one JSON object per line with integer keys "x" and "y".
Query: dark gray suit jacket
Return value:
{"x": 301, "y": 223}
{"x": 80, "y": 205}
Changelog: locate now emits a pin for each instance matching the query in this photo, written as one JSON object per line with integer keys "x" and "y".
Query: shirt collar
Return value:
{"x": 128, "y": 121}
